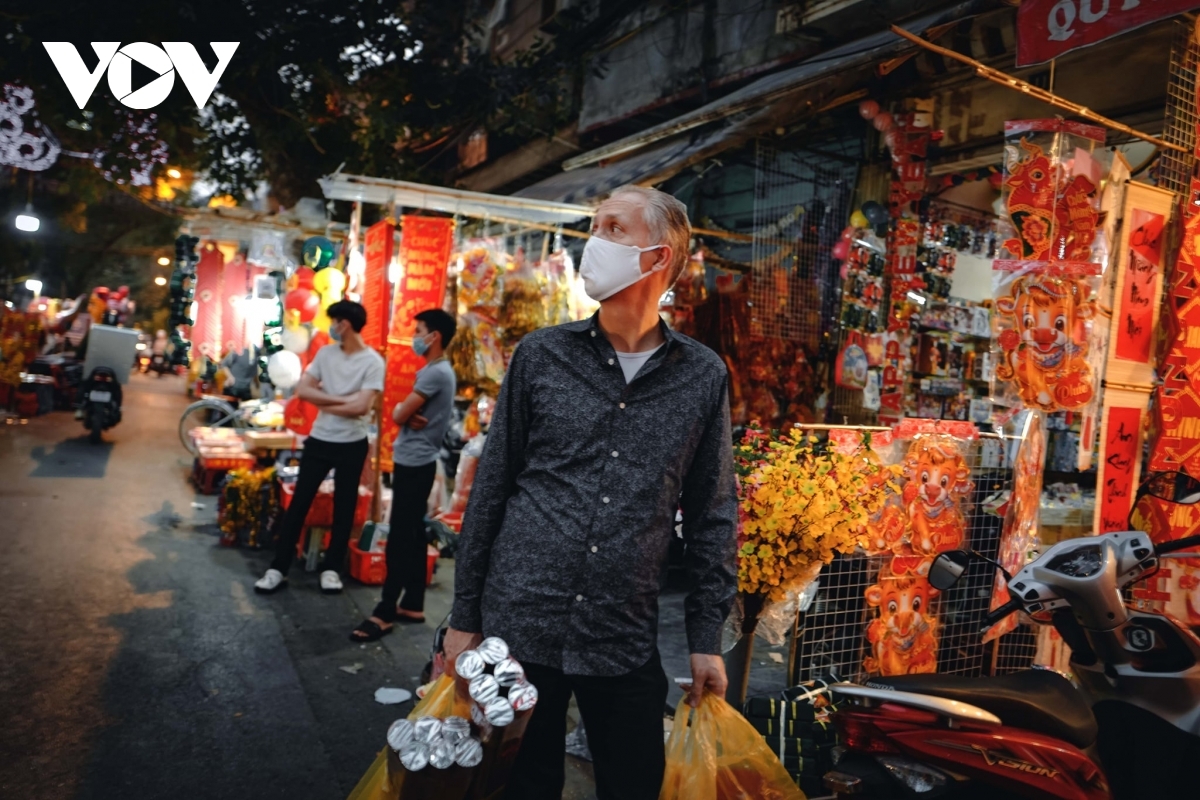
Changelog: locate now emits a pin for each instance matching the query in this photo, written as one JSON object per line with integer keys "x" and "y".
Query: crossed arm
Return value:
{"x": 353, "y": 405}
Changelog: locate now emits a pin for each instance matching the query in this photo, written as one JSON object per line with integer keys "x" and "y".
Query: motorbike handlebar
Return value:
{"x": 1013, "y": 604}
{"x": 1177, "y": 544}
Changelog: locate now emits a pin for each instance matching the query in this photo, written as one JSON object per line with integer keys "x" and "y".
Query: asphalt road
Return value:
{"x": 136, "y": 660}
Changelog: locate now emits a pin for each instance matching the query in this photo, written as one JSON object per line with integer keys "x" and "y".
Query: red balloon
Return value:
{"x": 848, "y": 233}
{"x": 307, "y": 302}
{"x": 304, "y": 277}
{"x": 883, "y": 122}
{"x": 841, "y": 250}
{"x": 867, "y": 109}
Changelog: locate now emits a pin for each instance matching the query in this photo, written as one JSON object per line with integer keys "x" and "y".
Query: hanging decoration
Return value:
{"x": 24, "y": 142}
{"x": 182, "y": 286}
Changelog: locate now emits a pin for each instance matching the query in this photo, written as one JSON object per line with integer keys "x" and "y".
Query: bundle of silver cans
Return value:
{"x": 432, "y": 742}
{"x": 496, "y": 682}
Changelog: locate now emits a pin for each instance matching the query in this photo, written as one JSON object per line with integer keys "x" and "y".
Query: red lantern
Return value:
{"x": 883, "y": 122}
{"x": 867, "y": 109}
{"x": 305, "y": 301}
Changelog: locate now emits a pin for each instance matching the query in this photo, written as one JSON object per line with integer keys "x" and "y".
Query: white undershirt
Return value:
{"x": 632, "y": 362}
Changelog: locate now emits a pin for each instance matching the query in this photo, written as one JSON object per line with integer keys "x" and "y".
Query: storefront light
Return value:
{"x": 34, "y": 285}
{"x": 394, "y": 272}
{"x": 160, "y": 281}
{"x": 163, "y": 261}
{"x": 28, "y": 223}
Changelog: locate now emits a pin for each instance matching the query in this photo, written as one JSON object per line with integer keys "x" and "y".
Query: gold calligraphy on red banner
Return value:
{"x": 376, "y": 297}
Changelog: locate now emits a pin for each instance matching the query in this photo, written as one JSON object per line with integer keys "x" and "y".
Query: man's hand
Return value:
{"x": 416, "y": 422}
{"x": 708, "y": 674}
{"x": 456, "y": 642}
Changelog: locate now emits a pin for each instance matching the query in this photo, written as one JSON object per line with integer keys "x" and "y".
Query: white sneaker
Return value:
{"x": 270, "y": 582}
{"x": 331, "y": 582}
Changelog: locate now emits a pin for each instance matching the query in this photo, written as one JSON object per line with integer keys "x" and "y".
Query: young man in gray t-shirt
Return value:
{"x": 423, "y": 418}
{"x": 343, "y": 381}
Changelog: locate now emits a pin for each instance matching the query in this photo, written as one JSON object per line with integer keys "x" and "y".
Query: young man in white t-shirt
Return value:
{"x": 343, "y": 381}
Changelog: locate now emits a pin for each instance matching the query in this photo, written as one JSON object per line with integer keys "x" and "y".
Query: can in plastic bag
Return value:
{"x": 415, "y": 756}
{"x": 441, "y": 754}
{"x": 455, "y": 729}
{"x": 468, "y": 753}
{"x": 426, "y": 729}
{"x": 508, "y": 672}
{"x": 469, "y": 665}
{"x": 484, "y": 689}
{"x": 498, "y": 712}
{"x": 523, "y": 696}
{"x": 493, "y": 650}
{"x": 399, "y": 734}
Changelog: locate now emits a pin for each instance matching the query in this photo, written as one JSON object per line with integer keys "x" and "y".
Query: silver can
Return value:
{"x": 455, "y": 729}
{"x": 498, "y": 712}
{"x": 481, "y": 721}
{"x": 469, "y": 665}
{"x": 508, "y": 672}
{"x": 493, "y": 649}
{"x": 441, "y": 754}
{"x": 415, "y": 756}
{"x": 399, "y": 734}
{"x": 523, "y": 696}
{"x": 468, "y": 753}
{"x": 426, "y": 729}
{"x": 484, "y": 689}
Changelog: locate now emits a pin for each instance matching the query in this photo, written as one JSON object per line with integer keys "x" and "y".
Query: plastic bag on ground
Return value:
{"x": 713, "y": 753}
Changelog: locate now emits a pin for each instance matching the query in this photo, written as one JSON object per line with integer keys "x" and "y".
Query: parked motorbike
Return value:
{"x": 159, "y": 364}
{"x": 101, "y": 408}
{"x": 1130, "y": 730}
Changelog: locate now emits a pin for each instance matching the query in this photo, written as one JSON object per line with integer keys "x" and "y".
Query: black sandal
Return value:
{"x": 372, "y": 630}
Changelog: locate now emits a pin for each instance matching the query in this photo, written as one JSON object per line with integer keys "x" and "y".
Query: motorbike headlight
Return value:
{"x": 919, "y": 778}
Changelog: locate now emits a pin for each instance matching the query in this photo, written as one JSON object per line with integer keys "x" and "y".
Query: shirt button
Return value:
{"x": 611, "y": 362}
{"x": 615, "y": 454}
{"x": 593, "y": 334}
{"x": 605, "y": 499}
{"x": 622, "y": 405}
{"x": 579, "y": 598}
{"x": 594, "y": 548}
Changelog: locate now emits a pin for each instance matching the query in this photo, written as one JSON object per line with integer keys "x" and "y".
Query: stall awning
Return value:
{"x": 662, "y": 150}
{"x": 478, "y": 205}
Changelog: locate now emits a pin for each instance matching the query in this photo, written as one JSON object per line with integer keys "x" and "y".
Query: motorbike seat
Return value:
{"x": 1037, "y": 700}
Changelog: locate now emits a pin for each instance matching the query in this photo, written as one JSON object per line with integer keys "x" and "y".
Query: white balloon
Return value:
{"x": 295, "y": 340}
{"x": 284, "y": 369}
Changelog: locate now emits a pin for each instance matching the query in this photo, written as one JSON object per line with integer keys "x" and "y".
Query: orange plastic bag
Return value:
{"x": 443, "y": 700}
{"x": 719, "y": 756}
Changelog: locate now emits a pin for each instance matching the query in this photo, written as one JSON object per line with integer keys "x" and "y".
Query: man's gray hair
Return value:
{"x": 667, "y": 219}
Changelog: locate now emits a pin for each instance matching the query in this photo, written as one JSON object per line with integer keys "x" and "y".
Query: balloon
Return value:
{"x": 284, "y": 369}
{"x": 848, "y": 233}
{"x": 302, "y": 278}
{"x": 318, "y": 252}
{"x": 841, "y": 250}
{"x": 867, "y": 109}
{"x": 330, "y": 283}
{"x": 875, "y": 213}
{"x": 890, "y": 139}
{"x": 859, "y": 220}
{"x": 292, "y": 319}
{"x": 321, "y": 321}
{"x": 306, "y": 301}
{"x": 883, "y": 122}
{"x": 295, "y": 340}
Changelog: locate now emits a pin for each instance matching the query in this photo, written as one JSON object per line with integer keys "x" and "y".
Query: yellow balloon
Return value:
{"x": 291, "y": 319}
{"x": 859, "y": 220}
{"x": 330, "y": 283}
{"x": 321, "y": 321}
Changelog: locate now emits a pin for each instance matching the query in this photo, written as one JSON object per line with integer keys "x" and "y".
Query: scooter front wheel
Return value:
{"x": 95, "y": 424}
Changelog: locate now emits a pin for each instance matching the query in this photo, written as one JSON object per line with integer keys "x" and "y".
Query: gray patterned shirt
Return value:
{"x": 563, "y": 551}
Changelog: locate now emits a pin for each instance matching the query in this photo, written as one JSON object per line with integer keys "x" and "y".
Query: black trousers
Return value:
{"x": 406, "y": 544}
{"x": 347, "y": 459}
{"x": 623, "y": 718}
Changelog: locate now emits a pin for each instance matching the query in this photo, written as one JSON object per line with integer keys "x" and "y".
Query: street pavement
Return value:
{"x": 136, "y": 660}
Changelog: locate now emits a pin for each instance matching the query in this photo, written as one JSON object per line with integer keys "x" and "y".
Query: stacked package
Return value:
{"x": 800, "y": 733}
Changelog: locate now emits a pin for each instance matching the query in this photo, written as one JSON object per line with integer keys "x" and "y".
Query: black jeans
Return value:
{"x": 623, "y": 719}
{"x": 406, "y": 560}
{"x": 347, "y": 459}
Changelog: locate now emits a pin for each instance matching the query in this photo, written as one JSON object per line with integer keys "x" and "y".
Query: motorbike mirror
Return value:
{"x": 947, "y": 568}
{"x": 1171, "y": 487}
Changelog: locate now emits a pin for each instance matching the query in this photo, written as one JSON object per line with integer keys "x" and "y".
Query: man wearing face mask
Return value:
{"x": 423, "y": 418}
{"x": 603, "y": 430}
{"x": 343, "y": 381}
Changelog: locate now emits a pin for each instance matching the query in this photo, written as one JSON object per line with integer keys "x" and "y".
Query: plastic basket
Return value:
{"x": 320, "y": 513}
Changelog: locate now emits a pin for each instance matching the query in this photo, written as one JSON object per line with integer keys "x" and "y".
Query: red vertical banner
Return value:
{"x": 1118, "y": 472}
{"x": 1139, "y": 295}
{"x": 377, "y": 256}
{"x": 424, "y": 255}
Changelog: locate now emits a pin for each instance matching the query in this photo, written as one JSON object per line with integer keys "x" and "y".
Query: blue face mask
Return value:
{"x": 420, "y": 346}
{"x": 335, "y": 333}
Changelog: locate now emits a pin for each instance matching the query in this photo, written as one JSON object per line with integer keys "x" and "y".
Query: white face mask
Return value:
{"x": 608, "y": 267}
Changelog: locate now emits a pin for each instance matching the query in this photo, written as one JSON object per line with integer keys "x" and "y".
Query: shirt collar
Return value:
{"x": 592, "y": 323}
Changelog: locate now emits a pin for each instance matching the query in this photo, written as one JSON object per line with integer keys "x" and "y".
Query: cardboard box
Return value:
{"x": 111, "y": 347}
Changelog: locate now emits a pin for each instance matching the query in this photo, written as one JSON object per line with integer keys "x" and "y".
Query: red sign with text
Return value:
{"x": 1135, "y": 314}
{"x": 1122, "y": 448}
{"x": 425, "y": 246}
{"x": 1048, "y": 28}
{"x": 376, "y": 291}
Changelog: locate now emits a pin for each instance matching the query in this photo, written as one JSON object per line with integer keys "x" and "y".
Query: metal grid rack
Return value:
{"x": 830, "y": 635}
{"x": 1175, "y": 168}
{"x": 801, "y": 203}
